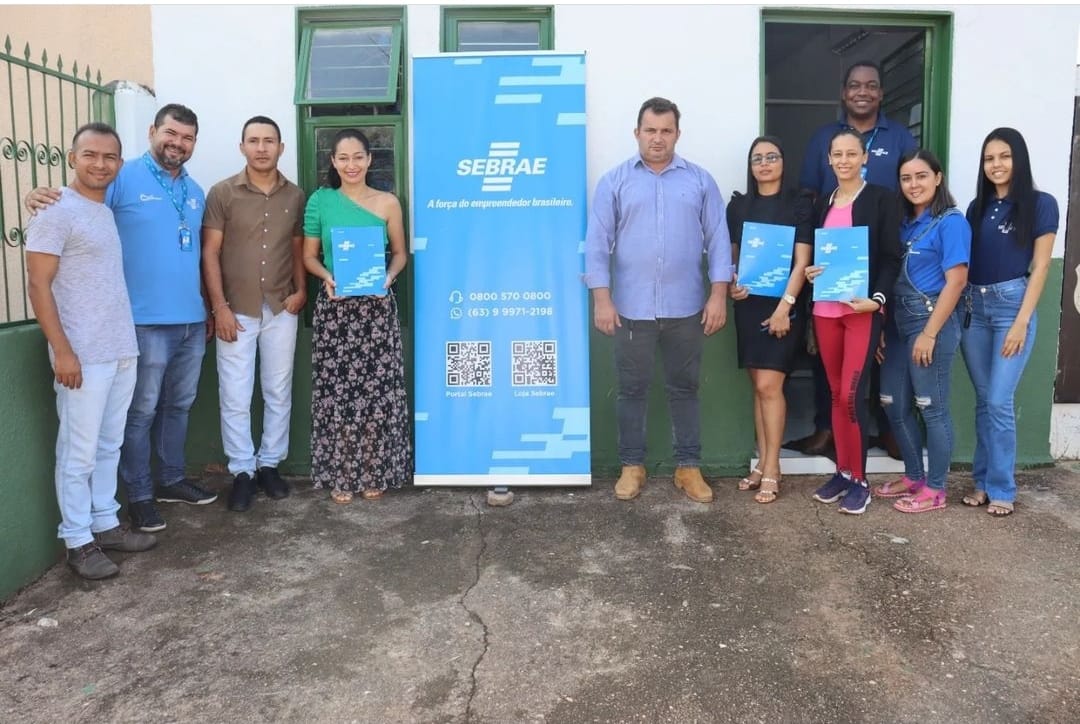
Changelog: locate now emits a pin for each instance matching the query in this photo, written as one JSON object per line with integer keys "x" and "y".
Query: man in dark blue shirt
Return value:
{"x": 886, "y": 141}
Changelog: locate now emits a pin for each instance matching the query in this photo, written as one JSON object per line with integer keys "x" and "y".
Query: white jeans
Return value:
{"x": 88, "y": 440}
{"x": 274, "y": 336}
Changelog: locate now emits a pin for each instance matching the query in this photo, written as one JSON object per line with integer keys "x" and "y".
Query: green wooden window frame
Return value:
{"x": 309, "y": 175}
{"x": 937, "y": 72}
{"x": 319, "y": 115}
{"x": 357, "y": 19}
{"x": 452, "y": 16}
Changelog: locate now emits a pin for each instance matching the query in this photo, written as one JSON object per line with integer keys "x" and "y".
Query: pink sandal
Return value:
{"x": 924, "y": 501}
{"x": 904, "y": 487}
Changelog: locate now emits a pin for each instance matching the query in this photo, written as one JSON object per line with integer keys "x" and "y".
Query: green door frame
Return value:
{"x": 937, "y": 73}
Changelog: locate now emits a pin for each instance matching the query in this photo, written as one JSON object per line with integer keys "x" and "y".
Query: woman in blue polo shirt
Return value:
{"x": 922, "y": 333}
{"x": 1013, "y": 227}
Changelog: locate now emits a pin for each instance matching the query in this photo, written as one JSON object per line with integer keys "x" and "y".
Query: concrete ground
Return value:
{"x": 568, "y": 606}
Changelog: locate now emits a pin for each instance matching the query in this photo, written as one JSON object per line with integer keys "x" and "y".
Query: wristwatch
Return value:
{"x": 788, "y": 298}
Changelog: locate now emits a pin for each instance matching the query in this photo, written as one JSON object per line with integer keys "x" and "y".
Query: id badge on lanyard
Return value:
{"x": 184, "y": 230}
{"x": 865, "y": 170}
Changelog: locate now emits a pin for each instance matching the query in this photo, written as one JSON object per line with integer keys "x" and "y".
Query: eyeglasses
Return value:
{"x": 757, "y": 159}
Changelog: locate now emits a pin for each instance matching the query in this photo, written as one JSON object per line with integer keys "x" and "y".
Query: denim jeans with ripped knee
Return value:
{"x": 907, "y": 387}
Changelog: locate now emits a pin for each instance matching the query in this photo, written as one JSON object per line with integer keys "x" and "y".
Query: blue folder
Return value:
{"x": 765, "y": 258}
{"x": 842, "y": 251}
{"x": 359, "y": 260}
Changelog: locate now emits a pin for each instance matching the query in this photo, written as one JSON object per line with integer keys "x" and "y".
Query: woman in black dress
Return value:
{"x": 769, "y": 329}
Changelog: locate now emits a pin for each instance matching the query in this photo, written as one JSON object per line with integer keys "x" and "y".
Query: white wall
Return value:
{"x": 705, "y": 58}
{"x": 227, "y": 63}
{"x": 1015, "y": 66}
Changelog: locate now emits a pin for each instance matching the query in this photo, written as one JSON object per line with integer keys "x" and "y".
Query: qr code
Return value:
{"x": 534, "y": 363}
{"x": 468, "y": 364}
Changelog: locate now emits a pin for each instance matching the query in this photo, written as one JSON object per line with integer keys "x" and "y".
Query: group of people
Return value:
{"x": 939, "y": 281}
{"x": 133, "y": 270}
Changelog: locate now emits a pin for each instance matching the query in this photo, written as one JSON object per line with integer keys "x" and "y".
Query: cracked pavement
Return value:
{"x": 567, "y": 606}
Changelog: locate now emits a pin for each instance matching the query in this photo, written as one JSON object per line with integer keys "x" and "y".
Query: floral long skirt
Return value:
{"x": 359, "y": 410}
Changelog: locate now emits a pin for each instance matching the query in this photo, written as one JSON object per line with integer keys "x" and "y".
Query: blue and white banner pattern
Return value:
{"x": 501, "y": 338}
{"x": 842, "y": 251}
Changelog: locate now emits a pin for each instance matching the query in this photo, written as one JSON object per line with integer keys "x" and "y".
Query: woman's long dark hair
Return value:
{"x": 942, "y": 198}
{"x": 751, "y": 182}
{"x": 1021, "y": 189}
{"x": 333, "y": 178}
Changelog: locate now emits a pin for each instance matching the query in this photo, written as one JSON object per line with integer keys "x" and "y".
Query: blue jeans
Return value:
{"x": 170, "y": 361}
{"x": 88, "y": 447}
{"x": 681, "y": 341}
{"x": 906, "y": 386}
{"x": 993, "y": 310}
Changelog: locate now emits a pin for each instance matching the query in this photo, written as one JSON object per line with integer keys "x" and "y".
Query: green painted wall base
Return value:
{"x": 1034, "y": 396}
{"x": 28, "y": 517}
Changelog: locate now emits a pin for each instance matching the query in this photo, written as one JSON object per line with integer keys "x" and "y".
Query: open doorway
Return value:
{"x": 804, "y": 57}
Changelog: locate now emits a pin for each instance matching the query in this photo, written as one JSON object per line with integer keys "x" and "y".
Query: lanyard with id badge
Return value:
{"x": 184, "y": 229}
{"x": 869, "y": 144}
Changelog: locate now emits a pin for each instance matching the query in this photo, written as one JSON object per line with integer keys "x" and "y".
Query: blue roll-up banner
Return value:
{"x": 501, "y": 317}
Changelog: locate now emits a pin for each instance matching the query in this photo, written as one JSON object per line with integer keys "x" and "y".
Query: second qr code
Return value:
{"x": 534, "y": 363}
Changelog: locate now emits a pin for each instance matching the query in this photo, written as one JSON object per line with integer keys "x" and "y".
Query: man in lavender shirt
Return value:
{"x": 657, "y": 224}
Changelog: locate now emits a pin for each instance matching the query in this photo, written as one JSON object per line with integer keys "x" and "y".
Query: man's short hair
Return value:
{"x": 863, "y": 64}
{"x": 259, "y": 119}
{"x": 659, "y": 106}
{"x": 103, "y": 129}
{"x": 179, "y": 113}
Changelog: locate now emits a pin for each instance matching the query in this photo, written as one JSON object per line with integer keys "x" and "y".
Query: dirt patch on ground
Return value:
{"x": 567, "y": 606}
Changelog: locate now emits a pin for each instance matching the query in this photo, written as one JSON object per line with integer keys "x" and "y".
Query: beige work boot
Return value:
{"x": 691, "y": 483}
{"x": 630, "y": 482}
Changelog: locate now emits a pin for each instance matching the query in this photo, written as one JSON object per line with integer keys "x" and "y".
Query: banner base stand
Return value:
{"x": 503, "y": 480}
{"x": 500, "y": 497}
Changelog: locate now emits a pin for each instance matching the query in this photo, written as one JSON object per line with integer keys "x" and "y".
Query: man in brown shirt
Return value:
{"x": 252, "y": 240}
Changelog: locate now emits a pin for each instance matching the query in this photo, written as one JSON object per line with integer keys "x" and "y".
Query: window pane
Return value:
{"x": 350, "y": 63}
{"x": 477, "y": 35}
{"x": 381, "y": 173}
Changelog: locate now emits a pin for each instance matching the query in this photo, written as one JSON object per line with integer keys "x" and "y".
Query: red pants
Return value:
{"x": 847, "y": 346}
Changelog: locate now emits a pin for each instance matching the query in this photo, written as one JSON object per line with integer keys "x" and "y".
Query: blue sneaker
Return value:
{"x": 833, "y": 490}
{"x": 857, "y": 498}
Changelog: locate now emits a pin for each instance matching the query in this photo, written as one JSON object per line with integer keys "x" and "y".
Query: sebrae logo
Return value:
{"x": 501, "y": 166}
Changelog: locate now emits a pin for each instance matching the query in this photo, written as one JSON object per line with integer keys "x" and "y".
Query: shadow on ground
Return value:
{"x": 568, "y": 606}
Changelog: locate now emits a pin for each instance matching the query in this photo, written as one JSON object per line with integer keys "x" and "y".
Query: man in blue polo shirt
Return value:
{"x": 656, "y": 226}
{"x": 886, "y": 141}
{"x": 158, "y": 210}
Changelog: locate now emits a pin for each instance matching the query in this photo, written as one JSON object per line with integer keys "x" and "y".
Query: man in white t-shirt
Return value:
{"x": 76, "y": 280}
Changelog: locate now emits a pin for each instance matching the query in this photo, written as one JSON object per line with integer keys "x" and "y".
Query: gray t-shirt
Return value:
{"x": 89, "y": 288}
